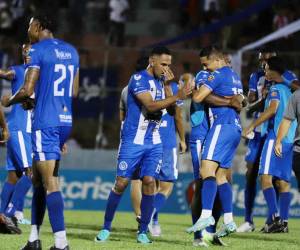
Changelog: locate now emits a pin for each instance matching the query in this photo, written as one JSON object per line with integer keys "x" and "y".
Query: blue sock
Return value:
{"x": 198, "y": 234}
{"x": 250, "y": 193}
{"x": 225, "y": 194}
{"x": 208, "y": 193}
{"x": 159, "y": 202}
{"x": 38, "y": 206}
{"x": 270, "y": 197}
{"x": 284, "y": 201}
{"x": 55, "y": 205}
{"x": 111, "y": 207}
{"x": 18, "y": 197}
{"x": 146, "y": 212}
{"x": 7, "y": 191}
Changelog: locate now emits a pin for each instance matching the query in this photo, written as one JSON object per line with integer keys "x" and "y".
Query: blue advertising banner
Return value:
{"x": 89, "y": 190}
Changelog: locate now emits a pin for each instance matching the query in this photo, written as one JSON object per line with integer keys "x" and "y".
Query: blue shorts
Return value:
{"x": 169, "y": 171}
{"x": 19, "y": 151}
{"x": 132, "y": 156}
{"x": 47, "y": 143}
{"x": 221, "y": 143}
{"x": 271, "y": 164}
{"x": 254, "y": 148}
{"x": 196, "y": 148}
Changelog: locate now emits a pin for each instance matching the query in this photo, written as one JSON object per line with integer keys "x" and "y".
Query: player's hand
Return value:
{"x": 278, "y": 149}
{"x": 168, "y": 75}
{"x": 182, "y": 146}
{"x": 64, "y": 149}
{"x": 184, "y": 92}
{"x": 5, "y": 100}
{"x": 5, "y": 135}
{"x": 237, "y": 102}
{"x": 247, "y": 131}
{"x": 28, "y": 104}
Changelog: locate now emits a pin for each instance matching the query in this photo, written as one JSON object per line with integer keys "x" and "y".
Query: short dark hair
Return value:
{"x": 209, "y": 50}
{"x": 45, "y": 22}
{"x": 277, "y": 64}
{"x": 142, "y": 63}
{"x": 160, "y": 50}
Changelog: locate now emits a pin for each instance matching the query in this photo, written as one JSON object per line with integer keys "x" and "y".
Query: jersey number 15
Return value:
{"x": 62, "y": 69}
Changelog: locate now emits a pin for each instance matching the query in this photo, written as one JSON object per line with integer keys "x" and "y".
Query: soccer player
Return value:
{"x": 199, "y": 128}
{"x": 258, "y": 88}
{"x": 19, "y": 149}
{"x": 219, "y": 148}
{"x": 52, "y": 75}
{"x": 136, "y": 185}
{"x": 141, "y": 143}
{"x": 291, "y": 114}
{"x": 271, "y": 165}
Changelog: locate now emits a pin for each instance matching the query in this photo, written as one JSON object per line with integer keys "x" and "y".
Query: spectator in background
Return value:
{"x": 212, "y": 14}
{"x": 280, "y": 19}
{"x": 5, "y": 19}
{"x": 117, "y": 18}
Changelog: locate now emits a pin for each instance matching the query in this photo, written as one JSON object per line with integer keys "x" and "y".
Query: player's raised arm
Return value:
{"x": 152, "y": 106}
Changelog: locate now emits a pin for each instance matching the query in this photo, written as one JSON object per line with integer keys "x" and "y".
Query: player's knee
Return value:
{"x": 149, "y": 185}
{"x": 120, "y": 186}
{"x": 266, "y": 181}
{"x": 283, "y": 186}
{"x": 12, "y": 177}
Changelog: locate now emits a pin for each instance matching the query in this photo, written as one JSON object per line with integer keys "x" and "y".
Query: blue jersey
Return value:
{"x": 226, "y": 83}
{"x": 280, "y": 93}
{"x": 58, "y": 63}
{"x": 167, "y": 129}
{"x": 198, "y": 115}
{"x": 18, "y": 118}
{"x": 140, "y": 126}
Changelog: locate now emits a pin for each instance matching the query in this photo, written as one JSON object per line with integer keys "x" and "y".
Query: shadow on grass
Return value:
{"x": 263, "y": 237}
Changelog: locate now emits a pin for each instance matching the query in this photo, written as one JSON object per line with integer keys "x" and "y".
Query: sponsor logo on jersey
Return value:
{"x": 62, "y": 54}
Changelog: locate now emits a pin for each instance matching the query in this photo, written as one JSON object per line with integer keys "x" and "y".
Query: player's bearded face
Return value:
{"x": 160, "y": 63}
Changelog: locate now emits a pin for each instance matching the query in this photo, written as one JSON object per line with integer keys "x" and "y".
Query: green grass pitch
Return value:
{"x": 82, "y": 227}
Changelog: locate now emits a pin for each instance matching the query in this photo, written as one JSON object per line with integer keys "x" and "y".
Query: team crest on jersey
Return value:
{"x": 123, "y": 165}
{"x": 274, "y": 93}
{"x": 210, "y": 78}
{"x": 137, "y": 77}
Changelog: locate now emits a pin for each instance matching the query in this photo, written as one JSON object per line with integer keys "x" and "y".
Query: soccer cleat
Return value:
{"x": 201, "y": 224}
{"x": 199, "y": 243}
{"x": 35, "y": 245}
{"x": 143, "y": 239}
{"x": 102, "y": 236}
{"x": 9, "y": 226}
{"x": 154, "y": 229}
{"x": 211, "y": 238}
{"x": 246, "y": 227}
{"x": 55, "y": 248}
{"x": 275, "y": 226}
{"x": 284, "y": 228}
{"x": 226, "y": 229}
